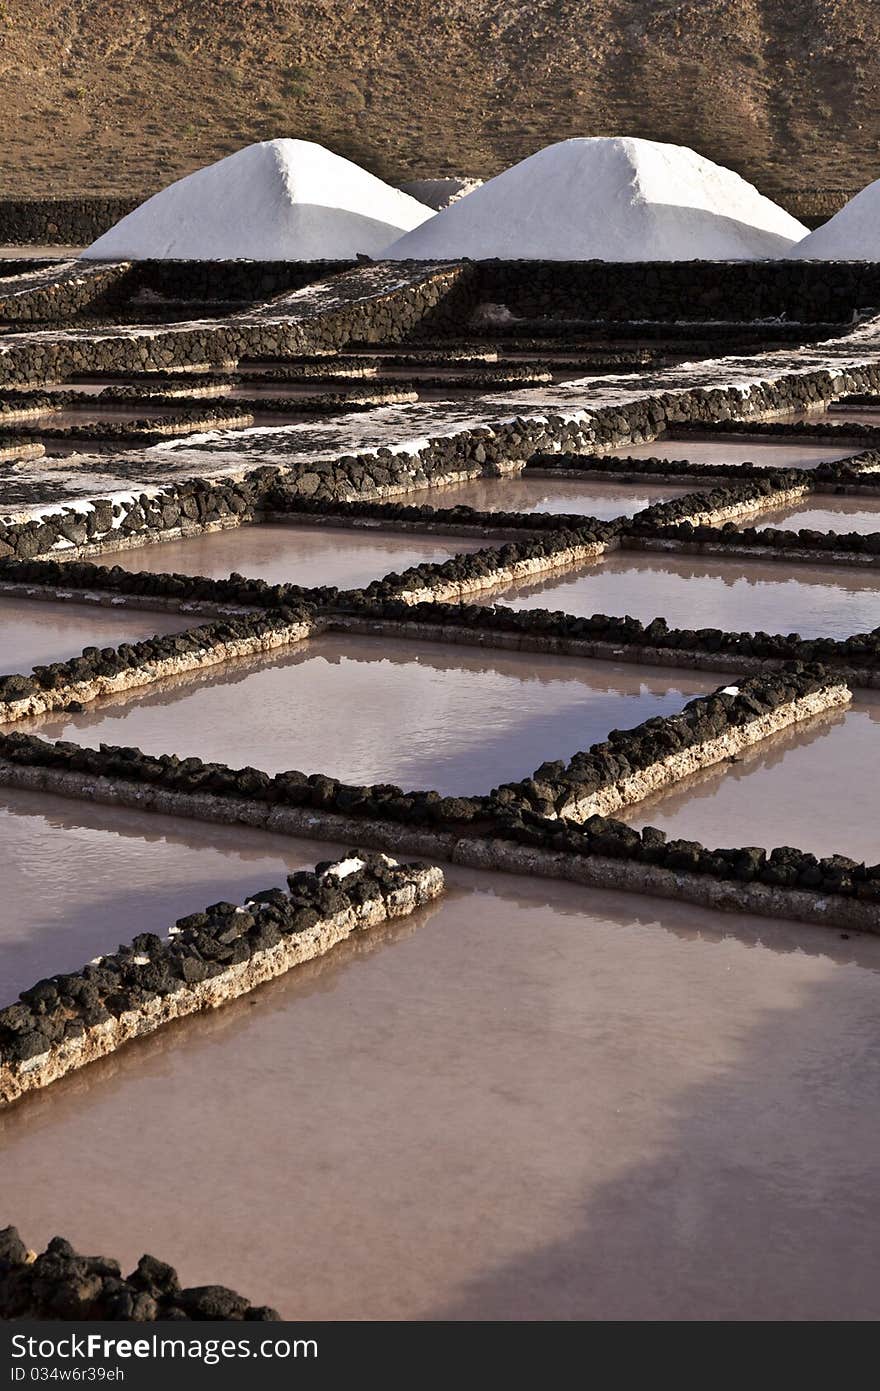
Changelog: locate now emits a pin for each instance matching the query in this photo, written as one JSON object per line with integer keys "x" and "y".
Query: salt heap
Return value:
{"x": 280, "y": 200}
{"x": 853, "y": 234}
{"x": 610, "y": 199}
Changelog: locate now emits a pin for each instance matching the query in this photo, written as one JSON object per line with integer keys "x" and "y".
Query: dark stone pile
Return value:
{"x": 784, "y": 867}
{"x": 83, "y": 574}
{"x": 485, "y": 563}
{"x": 772, "y": 538}
{"x": 195, "y": 502}
{"x": 60, "y": 1284}
{"x": 679, "y": 509}
{"x": 786, "y": 429}
{"x": 146, "y": 429}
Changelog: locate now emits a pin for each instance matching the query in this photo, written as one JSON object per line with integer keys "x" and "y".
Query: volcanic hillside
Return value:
{"x": 121, "y": 96}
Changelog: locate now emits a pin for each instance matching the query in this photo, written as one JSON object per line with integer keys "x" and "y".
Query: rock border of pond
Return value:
{"x": 613, "y": 638}
{"x": 64, "y": 1022}
{"x": 132, "y": 665}
{"x": 621, "y": 770}
{"x": 60, "y": 1284}
{"x": 786, "y": 883}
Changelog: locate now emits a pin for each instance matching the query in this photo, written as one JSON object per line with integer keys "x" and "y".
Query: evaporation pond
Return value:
{"x": 813, "y": 786}
{"x": 283, "y": 553}
{"x": 528, "y": 1101}
{"x": 735, "y": 449}
{"x": 824, "y": 512}
{"x": 34, "y": 632}
{"x": 691, "y": 591}
{"x": 367, "y": 710}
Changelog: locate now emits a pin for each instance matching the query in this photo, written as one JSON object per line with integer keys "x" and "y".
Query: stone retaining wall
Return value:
{"x": 766, "y": 543}
{"x": 492, "y": 567}
{"x": 621, "y": 638}
{"x": 786, "y": 883}
{"x": 59, "y": 221}
{"x": 631, "y": 764}
{"x": 54, "y": 293}
{"x": 65, "y": 1022}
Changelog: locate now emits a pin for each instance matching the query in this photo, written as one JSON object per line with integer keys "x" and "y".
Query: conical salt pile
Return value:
{"x": 284, "y": 200}
{"x": 853, "y": 234}
{"x": 611, "y": 199}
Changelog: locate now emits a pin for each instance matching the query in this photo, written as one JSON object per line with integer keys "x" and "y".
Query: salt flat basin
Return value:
{"x": 283, "y": 553}
{"x": 34, "y": 632}
{"x": 592, "y": 499}
{"x": 33, "y": 252}
{"x": 521, "y": 1103}
{"x": 825, "y": 512}
{"x": 813, "y": 786}
{"x": 422, "y": 715}
{"x": 857, "y": 413}
{"x": 737, "y": 450}
{"x": 698, "y": 592}
{"x": 79, "y": 879}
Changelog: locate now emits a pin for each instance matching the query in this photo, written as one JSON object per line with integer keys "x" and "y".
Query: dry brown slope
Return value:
{"x": 119, "y": 96}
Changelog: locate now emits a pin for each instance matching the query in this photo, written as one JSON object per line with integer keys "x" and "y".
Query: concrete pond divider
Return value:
{"x": 65, "y": 1022}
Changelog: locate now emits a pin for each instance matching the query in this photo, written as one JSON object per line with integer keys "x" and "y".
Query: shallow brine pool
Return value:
{"x": 422, "y": 715}
{"x": 80, "y": 879}
{"x": 813, "y": 786}
{"x": 282, "y": 553}
{"x": 825, "y": 512}
{"x": 591, "y": 499}
{"x": 740, "y": 449}
{"x": 527, "y": 1101}
{"x": 736, "y": 594}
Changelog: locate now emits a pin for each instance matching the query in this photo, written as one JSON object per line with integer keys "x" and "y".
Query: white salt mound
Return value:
{"x": 608, "y": 198}
{"x": 853, "y": 234}
{"x": 284, "y": 200}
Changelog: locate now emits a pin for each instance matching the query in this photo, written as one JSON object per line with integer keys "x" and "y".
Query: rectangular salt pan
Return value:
{"x": 282, "y": 553}
{"x": 525, "y": 494}
{"x": 454, "y": 1112}
{"x": 80, "y": 878}
{"x": 695, "y": 592}
{"x": 420, "y": 715}
{"x": 768, "y": 452}
{"x": 825, "y": 512}
{"x": 34, "y": 632}
{"x": 813, "y": 786}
